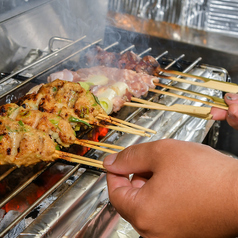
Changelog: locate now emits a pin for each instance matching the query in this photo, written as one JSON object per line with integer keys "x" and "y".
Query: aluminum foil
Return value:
{"x": 168, "y": 125}
{"x": 210, "y": 15}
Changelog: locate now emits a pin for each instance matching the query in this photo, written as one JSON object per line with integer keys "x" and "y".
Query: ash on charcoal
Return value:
{"x": 7, "y": 220}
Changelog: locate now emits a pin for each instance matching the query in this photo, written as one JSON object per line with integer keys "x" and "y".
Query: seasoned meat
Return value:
{"x": 66, "y": 99}
{"x": 20, "y": 144}
{"x": 55, "y": 126}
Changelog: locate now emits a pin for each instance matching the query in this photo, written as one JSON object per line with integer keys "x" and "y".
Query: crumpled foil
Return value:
{"x": 209, "y": 15}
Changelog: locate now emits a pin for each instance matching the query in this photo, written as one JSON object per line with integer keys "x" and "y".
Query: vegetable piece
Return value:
{"x": 106, "y": 100}
{"x": 74, "y": 119}
{"x": 85, "y": 85}
{"x": 97, "y": 80}
{"x": 120, "y": 88}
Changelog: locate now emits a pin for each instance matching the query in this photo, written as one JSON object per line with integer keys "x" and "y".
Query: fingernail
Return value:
{"x": 232, "y": 96}
{"x": 109, "y": 160}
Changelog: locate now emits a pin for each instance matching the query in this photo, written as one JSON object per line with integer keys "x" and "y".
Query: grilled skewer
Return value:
{"x": 21, "y": 144}
{"x": 57, "y": 128}
{"x": 149, "y": 65}
{"x": 71, "y": 102}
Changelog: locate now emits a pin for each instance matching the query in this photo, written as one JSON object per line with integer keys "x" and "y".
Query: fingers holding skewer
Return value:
{"x": 230, "y": 115}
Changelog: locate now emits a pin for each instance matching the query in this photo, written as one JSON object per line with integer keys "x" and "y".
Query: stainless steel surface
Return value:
{"x": 26, "y": 26}
{"x": 69, "y": 212}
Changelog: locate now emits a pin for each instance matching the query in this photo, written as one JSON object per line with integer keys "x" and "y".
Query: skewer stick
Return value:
{"x": 209, "y": 83}
{"x": 202, "y": 112}
{"x": 79, "y": 159}
{"x": 188, "y": 98}
{"x": 78, "y": 142}
{"x": 215, "y": 99}
{"x": 112, "y": 119}
{"x": 112, "y": 122}
{"x": 103, "y": 144}
{"x": 127, "y": 130}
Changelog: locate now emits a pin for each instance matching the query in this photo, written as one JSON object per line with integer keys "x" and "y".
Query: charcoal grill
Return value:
{"x": 63, "y": 199}
{"x": 76, "y": 204}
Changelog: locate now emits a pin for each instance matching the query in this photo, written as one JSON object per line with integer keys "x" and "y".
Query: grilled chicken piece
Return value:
{"x": 66, "y": 99}
{"x": 138, "y": 83}
{"x": 129, "y": 60}
{"x": 58, "y": 129}
{"x": 98, "y": 56}
{"x": 20, "y": 144}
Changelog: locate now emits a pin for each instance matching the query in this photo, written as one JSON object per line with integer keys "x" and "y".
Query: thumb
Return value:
{"x": 122, "y": 194}
{"x": 134, "y": 159}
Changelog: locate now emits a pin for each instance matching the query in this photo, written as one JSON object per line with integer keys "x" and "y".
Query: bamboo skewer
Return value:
{"x": 188, "y": 98}
{"x": 127, "y": 130}
{"x": 215, "y": 99}
{"x": 113, "y": 120}
{"x": 78, "y": 142}
{"x": 79, "y": 159}
{"x": 201, "y": 112}
{"x": 208, "y": 83}
{"x": 103, "y": 144}
{"x": 123, "y": 128}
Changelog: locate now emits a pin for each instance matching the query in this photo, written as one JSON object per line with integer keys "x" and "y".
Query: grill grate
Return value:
{"x": 87, "y": 190}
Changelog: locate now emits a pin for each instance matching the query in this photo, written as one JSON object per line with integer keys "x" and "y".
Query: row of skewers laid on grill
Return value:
{"x": 48, "y": 117}
{"x": 45, "y": 120}
{"x": 117, "y": 79}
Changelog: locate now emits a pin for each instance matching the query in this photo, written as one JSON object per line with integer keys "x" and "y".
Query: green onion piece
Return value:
{"x": 57, "y": 147}
{"x": 21, "y": 123}
{"x": 74, "y": 119}
{"x": 54, "y": 122}
{"x": 77, "y": 128}
{"x": 96, "y": 99}
{"x": 54, "y": 89}
{"x": 1, "y": 137}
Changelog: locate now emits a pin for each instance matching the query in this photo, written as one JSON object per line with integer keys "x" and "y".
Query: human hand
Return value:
{"x": 231, "y": 115}
{"x": 179, "y": 189}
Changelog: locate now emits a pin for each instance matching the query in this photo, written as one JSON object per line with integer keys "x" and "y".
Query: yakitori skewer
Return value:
{"x": 71, "y": 102}
{"x": 149, "y": 65}
{"x": 216, "y": 100}
{"x": 188, "y": 98}
{"x": 57, "y": 128}
{"x": 24, "y": 145}
{"x": 207, "y": 83}
{"x": 201, "y": 112}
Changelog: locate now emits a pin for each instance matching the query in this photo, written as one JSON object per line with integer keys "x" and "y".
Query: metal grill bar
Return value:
{"x": 7, "y": 173}
{"x": 39, "y": 61}
{"x": 18, "y": 219}
{"x": 30, "y": 79}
